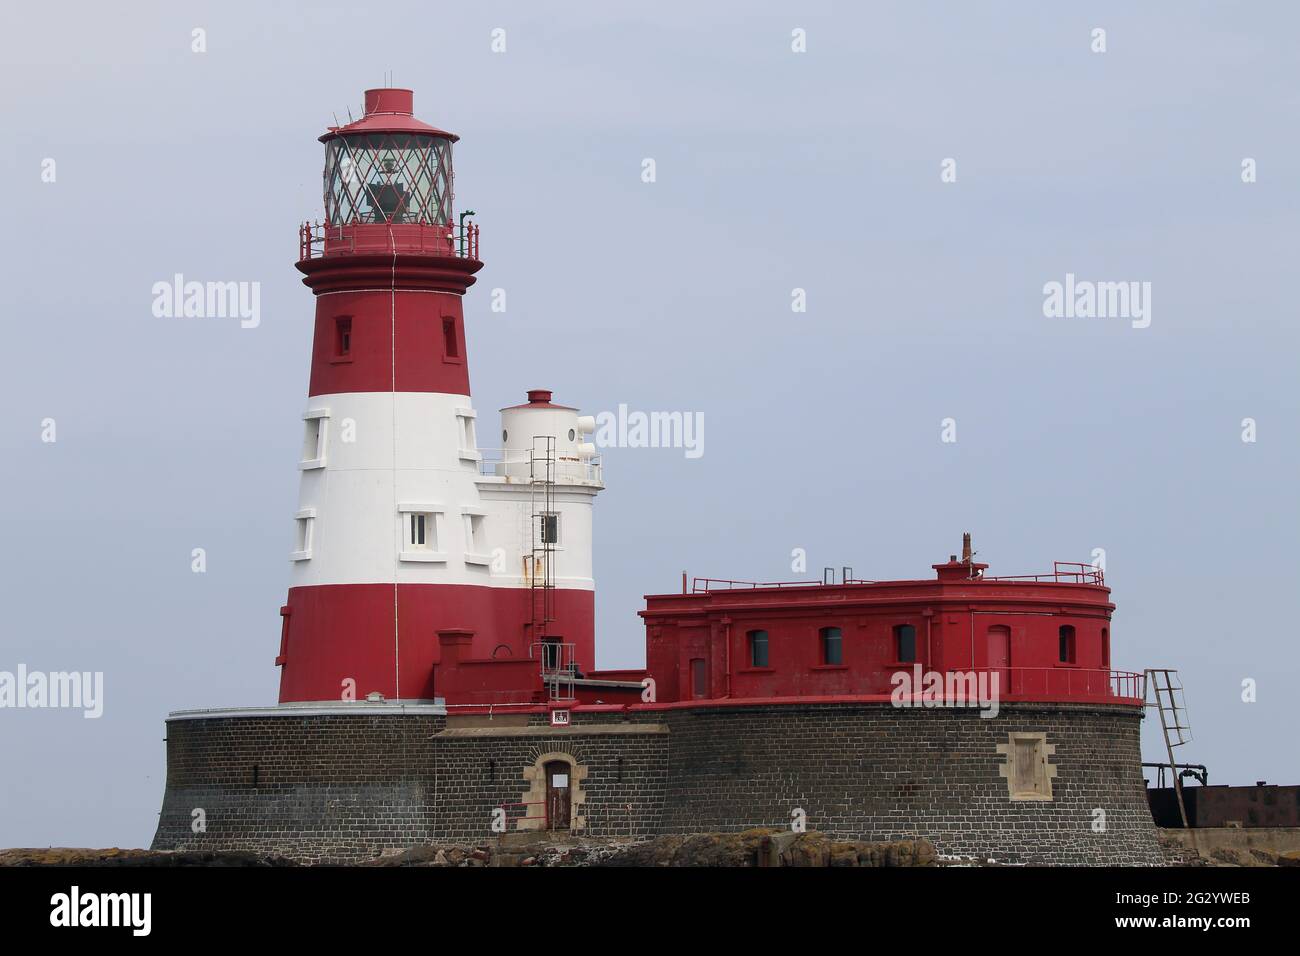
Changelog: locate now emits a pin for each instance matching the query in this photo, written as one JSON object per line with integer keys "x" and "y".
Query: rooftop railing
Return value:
{"x": 1066, "y": 683}
{"x": 317, "y": 239}
{"x": 516, "y": 463}
{"x": 1063, "y": 572}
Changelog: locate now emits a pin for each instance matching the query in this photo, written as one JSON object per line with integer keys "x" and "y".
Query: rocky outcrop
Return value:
{"x": 77, "y": 856}
{"x": 759, "y": 847}
{"x": 764, "y": 847}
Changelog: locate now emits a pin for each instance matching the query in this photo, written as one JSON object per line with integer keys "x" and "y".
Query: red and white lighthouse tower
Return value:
{"x": 422, "y": 565}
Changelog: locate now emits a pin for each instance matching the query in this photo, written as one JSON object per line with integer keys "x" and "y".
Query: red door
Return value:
{"x": 999, "y": 657}
{"x": 557, "y": 795}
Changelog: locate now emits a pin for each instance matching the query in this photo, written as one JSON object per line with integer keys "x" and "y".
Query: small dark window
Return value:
{"x": 758, "y": 648}
{"x": 905, "y": 643}
{"x": 1105, "y": 647}
{"x": 550, "y": 529}
{"x": 417, "y": 529}
{"x": 832, "y": 646}
{"x": 699, "y": 678}
{"x": 1066, "y": 633}
{"x": 451, "y": 347}
{"x": 343, "y": 337}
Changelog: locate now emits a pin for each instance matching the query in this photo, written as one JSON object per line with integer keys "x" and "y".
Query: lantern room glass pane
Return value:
{"x": 388, "y": 177}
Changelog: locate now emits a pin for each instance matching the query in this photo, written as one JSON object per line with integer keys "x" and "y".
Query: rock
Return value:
{"x": 807, "y": 849}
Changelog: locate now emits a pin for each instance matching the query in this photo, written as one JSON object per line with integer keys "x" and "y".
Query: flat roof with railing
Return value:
{"x": 1063, "y": 572}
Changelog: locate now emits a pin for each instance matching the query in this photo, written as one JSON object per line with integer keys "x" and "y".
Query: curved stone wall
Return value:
{"x": 344, "y": 786}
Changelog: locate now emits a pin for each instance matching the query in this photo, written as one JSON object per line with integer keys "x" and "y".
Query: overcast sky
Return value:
{"x": 775, "y": 170}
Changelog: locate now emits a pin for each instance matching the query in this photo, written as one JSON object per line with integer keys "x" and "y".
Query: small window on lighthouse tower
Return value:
{"x": 450, "y": 346}
{"x": 421, "y": 537}
{"x": 466, "y": 436}
{"x": 313, "y": 439}
{"x": 303, "y": 534}
{"x": 343, "y": 337}
{"x": 757, "y": 648}
{"x": 419, "y": 533}
{"x": 476, "y": 544}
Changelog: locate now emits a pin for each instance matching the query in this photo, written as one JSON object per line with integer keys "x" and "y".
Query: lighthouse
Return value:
{"x": 424, "y": 566}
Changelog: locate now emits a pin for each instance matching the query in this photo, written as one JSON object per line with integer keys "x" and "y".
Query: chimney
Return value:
{"x": 454, "y": 644}
{"x": 965, "y": 547}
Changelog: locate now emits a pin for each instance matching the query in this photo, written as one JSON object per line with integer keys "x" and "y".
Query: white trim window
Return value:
{"x": 315, "y": 435}
{"x": 419, "y": 532}
{"x": 304, "y": 532}
{"x": 466, "y": 439}
{"x": 476, "y": 546}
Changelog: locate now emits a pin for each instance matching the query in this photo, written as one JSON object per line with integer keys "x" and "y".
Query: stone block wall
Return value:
{"x": 346, "y": 786}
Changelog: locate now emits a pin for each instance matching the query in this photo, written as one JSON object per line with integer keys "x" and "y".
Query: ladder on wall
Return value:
{"x": 1165, "y": 693}
{"x": 556, "y": 658}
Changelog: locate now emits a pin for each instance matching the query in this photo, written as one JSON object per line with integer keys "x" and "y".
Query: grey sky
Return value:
{"x": 775, "y": 170}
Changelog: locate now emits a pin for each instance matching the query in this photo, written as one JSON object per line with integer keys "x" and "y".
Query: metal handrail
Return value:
{"x": 496, "y": 462}
{"x": 526, "y": 803}
{"x": 1070, "y": 682}
{"x": 316, "y": 239}
{"x": 1063, "y": 572}
{"x": 703, "y": 585}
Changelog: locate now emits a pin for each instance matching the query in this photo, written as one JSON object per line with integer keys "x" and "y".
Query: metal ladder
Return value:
{"x": 556, "y": 659}
{"x": 1167, "y": 689}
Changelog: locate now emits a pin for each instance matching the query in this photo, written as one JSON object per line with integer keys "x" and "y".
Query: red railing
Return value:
{"x": 1063, "y": 572}
{"x": 316, "y": 239}
{"x": 506, "y": 807}
{"x": 704, "y": 585}
{"x": 1068, "y": 683}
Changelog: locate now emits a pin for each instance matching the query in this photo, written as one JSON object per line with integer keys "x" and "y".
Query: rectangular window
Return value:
{"x": 418, "y": 534}
{"x": 832, "y": 645}
{"x": 421, "y": 531}
{"x": 450, "y": 346}
{"x": 1066, "y": 636}
{"x": 1105, "y": 647}
{"x": 757, "y": 648}
{"x": 476, "y": 546}
{"x": 550, "y": 528}
{"x": 699, "y": 678}
{"x": 315, "y": 430}
{"x": 343, "y": 337}
{"x": 905, "y": 643}
{"x": 303, "y": 532}
{"x": 466, "y": 437}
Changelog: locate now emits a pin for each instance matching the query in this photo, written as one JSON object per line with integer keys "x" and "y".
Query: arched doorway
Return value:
{"x": 555, "y": 797}
{"x": 559, "y": 794}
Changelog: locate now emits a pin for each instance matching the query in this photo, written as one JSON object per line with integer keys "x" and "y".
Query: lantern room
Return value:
{"x": 388, "y": 167}
{"x": 389, "y": 187}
